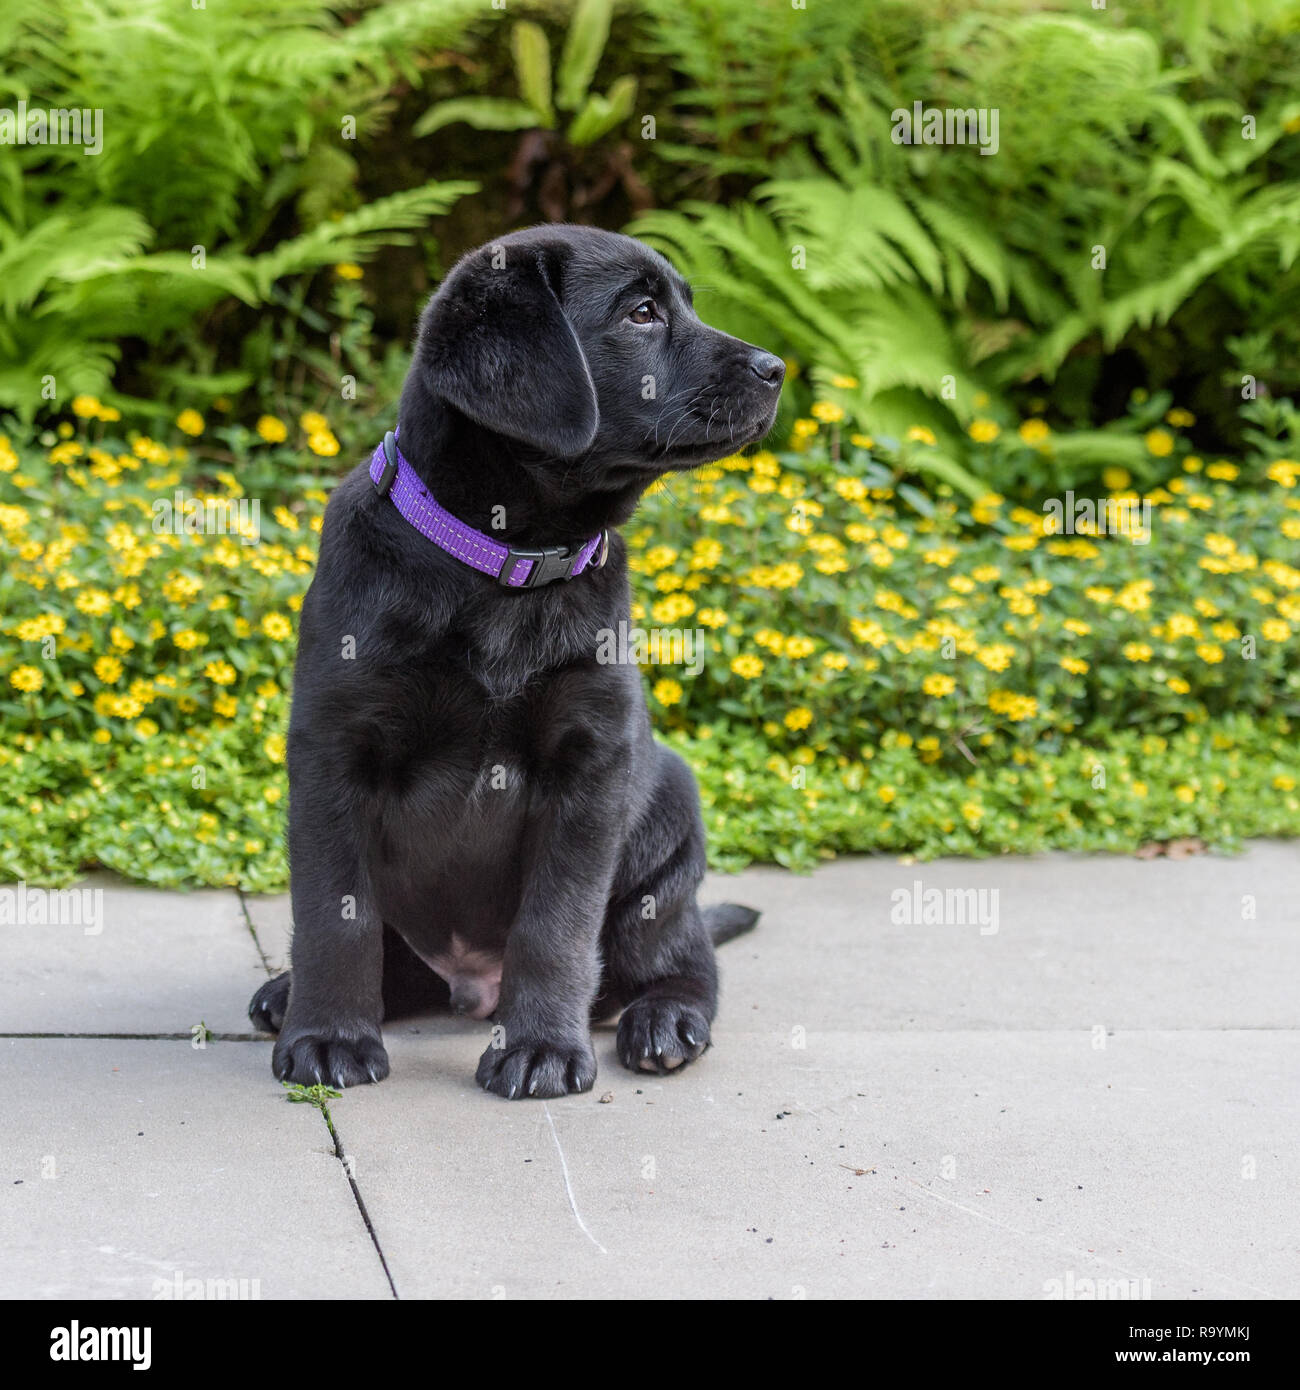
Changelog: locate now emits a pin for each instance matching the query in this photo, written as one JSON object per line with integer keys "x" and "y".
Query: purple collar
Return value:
{"x": 511, "y": 566}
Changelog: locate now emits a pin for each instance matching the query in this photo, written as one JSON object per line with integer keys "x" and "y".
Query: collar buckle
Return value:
{"x": 385, "y": 480}
{"x": 549, "y": 563}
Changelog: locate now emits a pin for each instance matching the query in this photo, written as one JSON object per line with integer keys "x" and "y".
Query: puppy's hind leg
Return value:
{"x": 667, "y": 1018}
{"x": 408, "y": 985}
{"x": 656, "y": 946}
{"x": 267, "y": 1008}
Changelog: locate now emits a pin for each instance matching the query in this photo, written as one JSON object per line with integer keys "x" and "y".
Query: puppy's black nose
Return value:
{"x": 768, "y": 369}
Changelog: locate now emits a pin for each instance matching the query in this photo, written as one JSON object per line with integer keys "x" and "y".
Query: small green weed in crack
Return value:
{"x": 319, "y": 1096}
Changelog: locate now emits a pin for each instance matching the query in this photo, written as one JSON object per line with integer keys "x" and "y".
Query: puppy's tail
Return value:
{"x": 725, "y": 920}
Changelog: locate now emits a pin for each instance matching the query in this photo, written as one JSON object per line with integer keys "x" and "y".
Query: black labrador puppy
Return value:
{"x": 478, "y": 812}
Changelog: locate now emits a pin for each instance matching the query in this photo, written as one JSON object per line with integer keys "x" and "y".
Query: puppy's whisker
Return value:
{"x": 669, "y": 400}
{"x": 690, "y": 405}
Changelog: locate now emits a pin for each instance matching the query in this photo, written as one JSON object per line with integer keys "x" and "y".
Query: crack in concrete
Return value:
{"x": 252, "y": 931}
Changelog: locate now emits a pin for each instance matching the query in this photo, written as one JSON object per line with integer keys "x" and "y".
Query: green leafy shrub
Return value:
{"x": 879, "y": 670}
{"x": 224, "y": 173}
{"x": 1143, "y": 197}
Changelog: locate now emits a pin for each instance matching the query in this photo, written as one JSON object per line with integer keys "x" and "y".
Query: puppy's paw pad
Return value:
{"x": 311, "y": 1059}
{"x": 539, "y": 1070}
{"x": 268, "y": 1006}
{"x": 661, "y": 1035}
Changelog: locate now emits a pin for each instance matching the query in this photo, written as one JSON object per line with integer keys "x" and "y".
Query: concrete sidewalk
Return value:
{"x": 1102, "y": 1089}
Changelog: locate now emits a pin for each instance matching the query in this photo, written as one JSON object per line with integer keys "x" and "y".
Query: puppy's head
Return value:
{"x": 583, "y": 344}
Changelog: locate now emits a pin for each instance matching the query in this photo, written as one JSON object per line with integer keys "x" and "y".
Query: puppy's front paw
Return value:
{"x": 539, "y": 1069}
{"x": 312, "y": 1059}
{"x": 661, "y": 1035}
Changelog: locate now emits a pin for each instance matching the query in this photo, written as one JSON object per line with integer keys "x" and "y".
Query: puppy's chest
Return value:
{"x": 452, "y": 740}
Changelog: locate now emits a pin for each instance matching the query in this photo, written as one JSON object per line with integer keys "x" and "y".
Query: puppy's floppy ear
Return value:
{"x": 498, "y": 347}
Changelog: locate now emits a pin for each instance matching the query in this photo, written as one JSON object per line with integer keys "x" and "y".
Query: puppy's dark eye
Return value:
{"x": 644, "y": 312}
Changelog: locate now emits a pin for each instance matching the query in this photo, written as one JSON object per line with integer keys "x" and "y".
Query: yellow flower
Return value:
{"x": 827, "y": 412}
{"x": 1015, "y": 707}
{"x": 1185, "y": 794}
{"x": 1210, "y": 653}
{"x": 1080, "y": 629}
{"x": 1179, "y": 686}
{"x": 938, "y": 686}
{"x": 187, "y": 639}
{"x": 277, "y": 626}
{"x": 1284, "y": 783}
{"x": 887, "y": 794}
{"x": 712, "y": 617}
{"x": 1116, "y": 479}
{"x": 669, "y": 609}
{"x": 659, "y": 557}
{"x": 1135, "y": 596}
{"x": 1180, "y": 418}
{"x": 1275, "y": 630}
{"x": 866, "y": 631}
{"x": 747, "y": 665}
{"x": 984, "y": 431}
{"x": 28, "y": 678}
{"x": 1035, "y": 432}
{"x": 920, "y": 435}
{"x": 220, "y": 672}
{"x": 273, "y": 747}
{"x": 86, "y": 407}
{"x": 844, "y": 383}
{"x": 190, "y": 422}
{"x": 108, "y": 669}
{"x": 323, "y": 444}
{"x": 347, "y": 270}
{"x": 667, "y": 692}
{"x": 1074, "y": 665}
{"x": 798, "y": 718}
{"x": 799, "y": 646}
{"x": 862, "y": 441}
{"x": 272, "y": 430}
{"x": 1284, "y": 471}
{"x": 93, "y": 602}
{"x": 1160, "y": 443}
{"x": 995, "y": 657}
{"x": 835, "y": 661}
{"x": 313, "y": 422}
{"x": 942, "y": 556}
{"x": 1137, "y": 651}
{"x": 706, "y": 553}
{"x": 1225, "y": 471}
